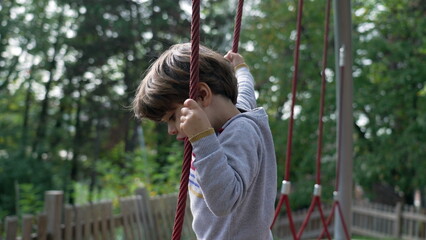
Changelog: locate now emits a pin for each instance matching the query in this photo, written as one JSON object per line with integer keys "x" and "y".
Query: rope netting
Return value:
{"x": 284, "y": 198}
{"x": 286, "y": 184}
{"x": 285, "y": 191}
{"x": 316, "y": 200}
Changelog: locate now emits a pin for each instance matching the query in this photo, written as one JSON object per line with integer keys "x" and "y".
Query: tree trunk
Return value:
{"x": 24, "y": 135}
{"x": 41, "y": 128}
{"x": 76, "y": 145}
{"x": 12, "y": 69}
{"x": 93, "y": 172}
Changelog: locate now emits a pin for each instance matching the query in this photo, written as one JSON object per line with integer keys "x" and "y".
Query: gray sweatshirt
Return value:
{"x": 233, "y": 175}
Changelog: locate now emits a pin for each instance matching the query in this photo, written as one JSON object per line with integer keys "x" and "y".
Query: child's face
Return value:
{"x": 172, "y": 118}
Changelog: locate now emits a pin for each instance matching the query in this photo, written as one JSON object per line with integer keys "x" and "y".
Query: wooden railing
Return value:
{"x": 138, "y": 217}
{"x": 151, "y": 218}
{"x": 281, "y": 229}
{"x": 374, "y": 220}
{"x": 391, "y": 222}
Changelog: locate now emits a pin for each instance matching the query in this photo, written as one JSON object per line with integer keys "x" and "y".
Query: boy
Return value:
{"x": 232, "y": 183}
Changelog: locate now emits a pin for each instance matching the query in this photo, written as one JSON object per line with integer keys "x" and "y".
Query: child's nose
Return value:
{"x": 171, "y": 129}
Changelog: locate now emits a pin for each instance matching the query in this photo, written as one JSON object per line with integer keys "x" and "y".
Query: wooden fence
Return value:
{"x": 138, "y": 217}
{"x": 390, "y": 222}
{"x": 151, "y": 218}
{"x": 314, "y": 228}
{"x": 374, "y": 220}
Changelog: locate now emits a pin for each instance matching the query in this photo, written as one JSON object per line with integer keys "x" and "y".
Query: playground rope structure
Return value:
{"x": 237, "y": 28}
{"x": 284, "y": 199}
{"x": 316, "y": 200}
{"x": 193, "y": 82}
{"x": 285, "y": 191}
{"x": 336, "y": 203}
{"x": 194, "y": 75}
{"x": 286, "y": 184}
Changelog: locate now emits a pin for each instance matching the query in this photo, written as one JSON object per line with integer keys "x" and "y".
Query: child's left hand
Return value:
{"x": 234, "y": 58}
{"x": 193, "y": 119}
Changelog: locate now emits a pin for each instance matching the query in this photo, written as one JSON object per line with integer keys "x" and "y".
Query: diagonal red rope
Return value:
{"x": 237, "y": 28}
{"x": 317, "y": 199}
{"x": 194, "y": 79}
{"x": 323, "y": 90}
{"x": 336, "y": 203}
{"x": 294, "y": 91}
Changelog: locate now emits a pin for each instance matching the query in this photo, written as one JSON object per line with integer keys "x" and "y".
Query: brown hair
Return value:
{"x": 166, "y": 83}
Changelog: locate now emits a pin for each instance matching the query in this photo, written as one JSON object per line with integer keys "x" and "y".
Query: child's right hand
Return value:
{"x": 235, "y": 58}
{"x": 193, "y": 119}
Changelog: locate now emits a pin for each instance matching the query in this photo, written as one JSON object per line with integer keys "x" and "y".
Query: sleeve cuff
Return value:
{"x": 201, "y": 135}
{"x": 241, "y": 65}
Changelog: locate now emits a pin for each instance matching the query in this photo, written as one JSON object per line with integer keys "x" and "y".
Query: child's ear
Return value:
{"x": 204, "y": 94}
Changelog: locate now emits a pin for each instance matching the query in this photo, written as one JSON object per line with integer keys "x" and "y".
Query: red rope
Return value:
{"x": 323, "y": 89}
{"x": 278, "y": 209}
{"x": 336, "y": 203}
{"x": 317, "y": 199}
{"x": 293, "y": 91}
{"x": 237, "y": 28}
{"x": 183, "y": 191}
{"x": 284, "y": 197}
{"x": 194, "y": 79}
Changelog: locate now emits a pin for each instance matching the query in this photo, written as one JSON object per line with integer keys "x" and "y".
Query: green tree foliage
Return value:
{"x": 69, "y": 70}
{"x": 390, "y": 100}
{"x": 389, "y": 95}
{"x": 269, "y": 37}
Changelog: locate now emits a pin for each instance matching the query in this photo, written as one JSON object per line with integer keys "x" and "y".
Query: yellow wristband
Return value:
{"x": 201, "y": 135}
{"x": 240, "y": 66}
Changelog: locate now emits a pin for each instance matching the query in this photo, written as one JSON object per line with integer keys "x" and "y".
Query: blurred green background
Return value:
{"x": 69, "y": 71}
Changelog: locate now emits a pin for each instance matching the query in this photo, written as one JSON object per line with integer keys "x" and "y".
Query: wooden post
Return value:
{"x": 104, "y": 221}
{"x": 11, "y": 227}
{"x": 79, "y": 220}
{"x": 42, "y": 226}
{"x": 27, "y": 223}
{"x": 398, "y": 221}
{"x": 87, "y": 221}
{"x": 137, "y": 205}
{"x": 68, "y": 222}
{"x": 147, "y": 214}
{"x": 111, "y": 219}
{"x": 53, "y": 208}
{"x": 96, "y": 221}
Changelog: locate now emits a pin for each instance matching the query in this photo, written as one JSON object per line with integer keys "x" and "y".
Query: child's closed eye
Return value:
{"x": 172, "y": 117}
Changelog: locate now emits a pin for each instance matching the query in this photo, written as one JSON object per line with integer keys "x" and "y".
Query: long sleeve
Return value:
{"x": 232, "y": 183}
{"x": 246, "y": 97}
{"x": 226, "y": 170}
